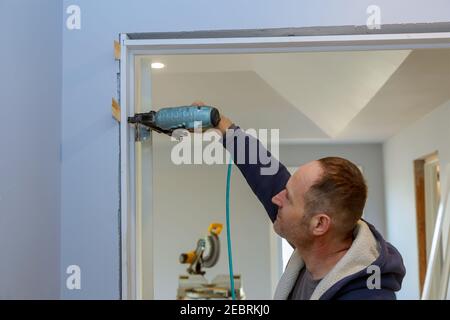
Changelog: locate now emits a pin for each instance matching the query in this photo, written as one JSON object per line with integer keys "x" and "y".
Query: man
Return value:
{"x": 318, "y": 211}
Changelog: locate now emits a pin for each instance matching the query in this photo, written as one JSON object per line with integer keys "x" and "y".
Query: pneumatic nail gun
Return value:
{"x": 167, "y": 120}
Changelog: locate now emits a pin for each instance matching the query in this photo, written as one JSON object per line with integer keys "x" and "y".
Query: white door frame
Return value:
{"x": 130, "y": 48}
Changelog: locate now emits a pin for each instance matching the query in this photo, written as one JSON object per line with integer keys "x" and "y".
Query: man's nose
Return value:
{"x": 278, "y": 198}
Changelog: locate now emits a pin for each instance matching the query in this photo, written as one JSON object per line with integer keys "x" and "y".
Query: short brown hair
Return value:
{"x": 341, "y": 192}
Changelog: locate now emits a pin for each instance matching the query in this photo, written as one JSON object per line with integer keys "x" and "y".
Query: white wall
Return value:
{"x": 425, "y": 136}
{"x": 188, "y": 198}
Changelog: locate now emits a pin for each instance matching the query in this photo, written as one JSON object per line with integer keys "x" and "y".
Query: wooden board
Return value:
{"x": 115, "y": 110}
{"x": 117, "y": 50}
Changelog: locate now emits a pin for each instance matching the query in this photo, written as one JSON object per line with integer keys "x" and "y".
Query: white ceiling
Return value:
{"x": 338, "y": 96}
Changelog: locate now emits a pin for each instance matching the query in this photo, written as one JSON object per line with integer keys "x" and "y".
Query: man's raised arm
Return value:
{"x": 254, "y": 160}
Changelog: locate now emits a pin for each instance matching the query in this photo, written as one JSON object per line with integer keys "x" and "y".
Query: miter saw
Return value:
{"x": 194, "y": 285}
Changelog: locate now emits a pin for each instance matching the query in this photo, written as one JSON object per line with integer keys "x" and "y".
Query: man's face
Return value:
{"x": 290, "y": 223}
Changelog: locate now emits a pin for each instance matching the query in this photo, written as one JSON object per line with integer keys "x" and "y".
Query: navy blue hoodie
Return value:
{"x": 349, "y": 280}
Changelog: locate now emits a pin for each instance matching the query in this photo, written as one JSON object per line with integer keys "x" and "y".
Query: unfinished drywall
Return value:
{"x": 90, "y": 175}
{"x": 424, "y": 137}
{"x": 30, "y": 82}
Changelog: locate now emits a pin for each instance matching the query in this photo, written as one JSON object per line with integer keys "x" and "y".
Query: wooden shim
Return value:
{"x": 117, "y": 50}
{"x": 115, "y": 110}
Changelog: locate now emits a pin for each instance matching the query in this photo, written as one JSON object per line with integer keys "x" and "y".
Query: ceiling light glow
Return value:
{"x": 157, "y": 65}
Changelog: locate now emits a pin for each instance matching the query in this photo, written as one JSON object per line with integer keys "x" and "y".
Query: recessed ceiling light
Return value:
{"x": 157, "y": 65}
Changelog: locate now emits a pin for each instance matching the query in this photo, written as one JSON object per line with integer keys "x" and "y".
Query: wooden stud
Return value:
{"x": 117, "y": 50}
{"x": 115, "y": 110}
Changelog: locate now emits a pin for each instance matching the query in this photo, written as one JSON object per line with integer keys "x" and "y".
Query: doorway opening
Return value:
{"x": 137, "y": 183}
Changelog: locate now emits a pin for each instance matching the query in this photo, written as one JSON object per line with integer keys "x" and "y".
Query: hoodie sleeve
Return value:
{"x": 265, "y": 175}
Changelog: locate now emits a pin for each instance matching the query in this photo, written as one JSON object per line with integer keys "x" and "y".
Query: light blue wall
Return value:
{"x": 90, "y": 153}
{"x": 30, "y": 137}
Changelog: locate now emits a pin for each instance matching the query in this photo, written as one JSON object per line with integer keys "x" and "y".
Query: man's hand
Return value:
{"x": 224, "y": 122}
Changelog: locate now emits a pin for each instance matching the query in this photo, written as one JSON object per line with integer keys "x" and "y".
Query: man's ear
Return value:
{"x": 320, "y": 224}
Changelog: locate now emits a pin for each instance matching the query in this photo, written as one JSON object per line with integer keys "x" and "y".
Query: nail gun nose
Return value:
{"x": 146, "y": 119}
{"x": 132, "y": 120}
